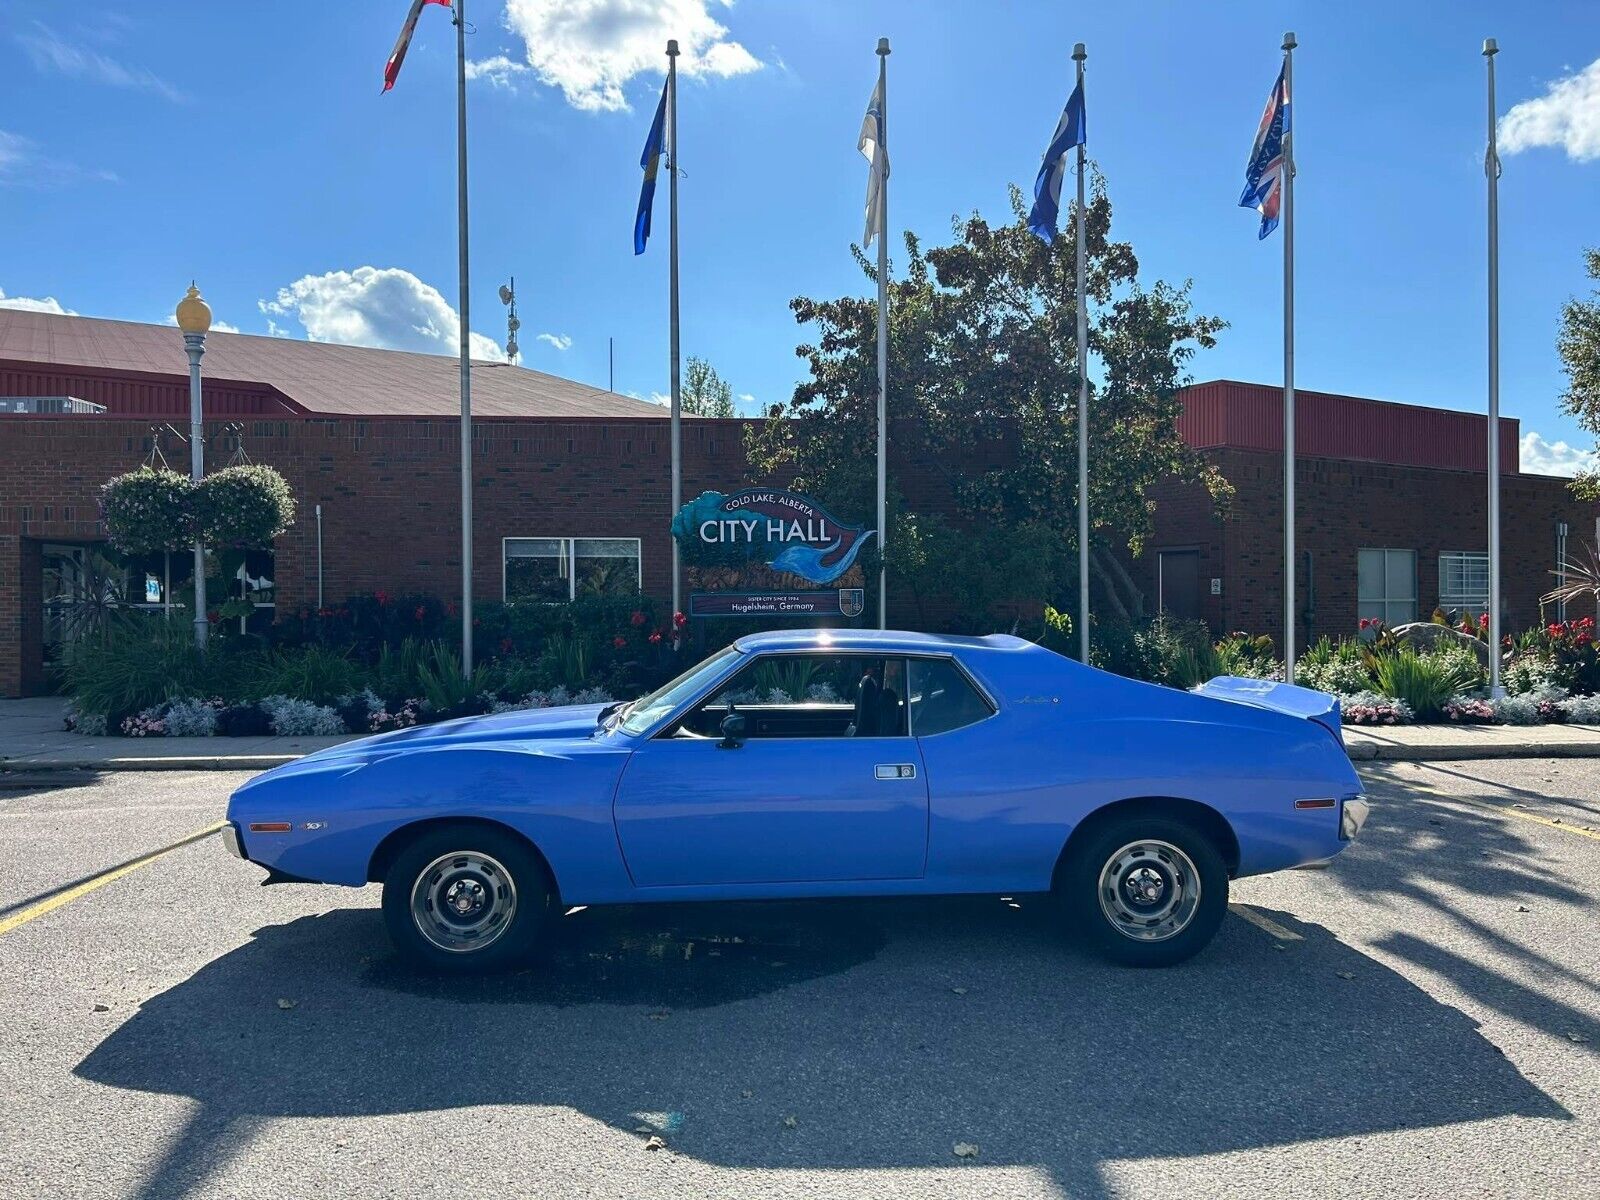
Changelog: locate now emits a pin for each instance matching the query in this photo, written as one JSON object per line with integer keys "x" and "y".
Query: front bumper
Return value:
{"x": 230, "y": 839}
{"x": 1353, "y": 814}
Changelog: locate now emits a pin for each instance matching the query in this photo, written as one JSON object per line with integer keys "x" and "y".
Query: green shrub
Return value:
{"x": 137, "y": 669}
{"x": 1424, "y": 681}
{"x": 443, "y": 687}
{"x": 1337, "y": 667}
{"x": 315, "y": 673}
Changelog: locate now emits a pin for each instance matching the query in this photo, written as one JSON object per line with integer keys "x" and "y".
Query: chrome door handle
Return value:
{"x": 895, "y": 771}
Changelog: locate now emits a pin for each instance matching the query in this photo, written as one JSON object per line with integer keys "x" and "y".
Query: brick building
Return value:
{"x": 572, "y": 483}
{"x": 1390, "y": 516}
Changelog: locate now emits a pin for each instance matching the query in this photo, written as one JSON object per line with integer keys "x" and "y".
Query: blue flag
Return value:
{"x": 650, "y": 160}
{"x": 1263, "y": 174}
{"x": 1047, "y": 187}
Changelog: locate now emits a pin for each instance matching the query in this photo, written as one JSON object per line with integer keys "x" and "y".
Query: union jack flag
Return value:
{"x": 1263, "y": 174}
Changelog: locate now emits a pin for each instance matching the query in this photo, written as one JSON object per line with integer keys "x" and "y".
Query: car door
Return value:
{"x": 788, "y": 807}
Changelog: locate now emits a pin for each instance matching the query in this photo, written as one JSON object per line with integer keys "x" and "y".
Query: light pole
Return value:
{"x": 194, "y": 318}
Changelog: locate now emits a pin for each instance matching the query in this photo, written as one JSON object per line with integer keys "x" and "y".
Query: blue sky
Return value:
{"x": 248, "y": 146}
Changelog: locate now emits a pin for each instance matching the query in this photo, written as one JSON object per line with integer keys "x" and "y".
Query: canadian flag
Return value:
{"x": 391, "y": 69}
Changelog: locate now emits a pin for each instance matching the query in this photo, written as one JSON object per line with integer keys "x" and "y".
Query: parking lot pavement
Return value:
{"x": 1422, "y": 1019}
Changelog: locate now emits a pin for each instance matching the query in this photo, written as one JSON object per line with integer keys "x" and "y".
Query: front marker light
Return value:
{"x": 270, "y": 826}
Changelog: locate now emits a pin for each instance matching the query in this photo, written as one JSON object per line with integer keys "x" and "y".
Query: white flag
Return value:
{"x": 876, "y": 153}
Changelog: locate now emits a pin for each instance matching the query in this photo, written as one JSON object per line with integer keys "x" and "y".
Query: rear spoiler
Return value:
{"x": 1278, "y": 697}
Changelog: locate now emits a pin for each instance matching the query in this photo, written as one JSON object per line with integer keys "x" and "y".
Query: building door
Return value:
{"x": 1178, "y": 583}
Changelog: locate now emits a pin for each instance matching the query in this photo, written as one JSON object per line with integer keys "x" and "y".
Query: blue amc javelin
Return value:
{"x": 825, "y": 763}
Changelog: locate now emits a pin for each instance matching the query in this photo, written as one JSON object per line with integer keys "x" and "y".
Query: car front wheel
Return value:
{"x": 1146, "y": 892}
{"x": 466, "y": 899}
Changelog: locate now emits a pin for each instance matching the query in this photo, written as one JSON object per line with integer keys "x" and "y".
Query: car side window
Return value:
{"x": 942, "y": 698}
{"x": 809, "y": 696}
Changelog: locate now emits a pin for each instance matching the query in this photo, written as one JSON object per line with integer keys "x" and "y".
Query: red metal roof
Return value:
{"x": 1249, "y": 416}
{"x": 137, "y": 369}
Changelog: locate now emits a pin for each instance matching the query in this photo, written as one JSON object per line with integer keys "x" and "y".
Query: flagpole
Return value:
{"x": 1078, "y": 56}
{"x": 883, "y": 335}
{"x": 1491, "y": 168}
{"x": 672, "y": 272}
{"x": 466, "y": 340}
{"x": 1289, "y": 44}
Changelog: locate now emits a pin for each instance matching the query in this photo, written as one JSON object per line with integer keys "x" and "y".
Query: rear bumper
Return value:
{"x": 1353, "y": 814}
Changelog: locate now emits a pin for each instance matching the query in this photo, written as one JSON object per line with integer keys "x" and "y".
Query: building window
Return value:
{"x": 1464, "y": 581}
{"x": 1386, "y": 586}
{"x": 550, "y": 570}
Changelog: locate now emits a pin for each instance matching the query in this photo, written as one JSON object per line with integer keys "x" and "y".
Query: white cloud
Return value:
{"x": 590, "y": 49}
{"x": 21, "y": 165}
{"x": 384, "y": 307}
{"x": 1539, "y": 457}
{"x": 28, "y": 304}
{"x": 558, "y": 341}
{"x": 1567, "y": 116}
{"x": 216, "y": 326}
{"x": 50, "y": 53}
{"x": 501, "y": 71}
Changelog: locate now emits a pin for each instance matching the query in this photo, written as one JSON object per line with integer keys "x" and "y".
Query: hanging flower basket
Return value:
{"x": 243, "y": 507}
{"x": 148, "y": 510}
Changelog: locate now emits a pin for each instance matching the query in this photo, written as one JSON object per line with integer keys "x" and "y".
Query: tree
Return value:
{"x": 982, "y": 356}
{"x": 1579, "y": 347}
{"x": 704, "y": 392}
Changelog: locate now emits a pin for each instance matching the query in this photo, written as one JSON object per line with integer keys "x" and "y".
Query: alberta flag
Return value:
{"x": 1263, "y": 176}
{"x": 1070, "y": 131}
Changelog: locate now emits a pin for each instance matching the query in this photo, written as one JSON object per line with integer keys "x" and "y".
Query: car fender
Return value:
{"x": 557, "y": 795}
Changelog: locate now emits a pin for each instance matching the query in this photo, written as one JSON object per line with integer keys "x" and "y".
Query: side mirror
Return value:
{"x": 732, "y": 732}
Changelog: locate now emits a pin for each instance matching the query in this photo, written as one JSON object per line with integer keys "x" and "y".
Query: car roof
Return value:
{"x": 891, "y": 641}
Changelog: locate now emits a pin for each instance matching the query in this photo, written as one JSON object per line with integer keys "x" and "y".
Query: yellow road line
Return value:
{"x": 1266, "y": 924}
{"x": 1506, "y": 810}
{"x": 17, "y": 920}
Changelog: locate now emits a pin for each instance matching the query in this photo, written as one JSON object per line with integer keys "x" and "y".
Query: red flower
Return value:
{"x": 638, "y": 617}
{"x": 619, "y": 641}
{"x": 1365, "y": 623}
{"x": 655, "y": 638}
{"x": 382, "y": 598}
{"x": 450, "y": 608}
{"x": 1483, "y": 621}
{"x": 679, "y": 620}
{"x": 422, "y": 611}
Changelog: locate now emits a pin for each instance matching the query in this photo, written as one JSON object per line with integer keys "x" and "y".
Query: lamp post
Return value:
{"x": 194, "y": 318}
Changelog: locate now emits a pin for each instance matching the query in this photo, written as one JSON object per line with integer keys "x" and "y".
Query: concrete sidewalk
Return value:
{"x": 32, "y": 739}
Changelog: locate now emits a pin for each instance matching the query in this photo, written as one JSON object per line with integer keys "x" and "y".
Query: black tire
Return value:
{"x": 505, "y": 897}
{"x": 1129, "y": 852}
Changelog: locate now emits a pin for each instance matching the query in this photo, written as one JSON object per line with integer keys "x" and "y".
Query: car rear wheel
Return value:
{"x": 1145, "y": 892}
{"x": 466, "y": 899}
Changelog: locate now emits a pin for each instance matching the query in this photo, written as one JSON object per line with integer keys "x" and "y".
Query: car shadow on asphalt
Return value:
{"x": 820, "y": 1036}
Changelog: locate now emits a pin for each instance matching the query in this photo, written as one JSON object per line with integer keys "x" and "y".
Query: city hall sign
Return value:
{"x": 785, "y": 531}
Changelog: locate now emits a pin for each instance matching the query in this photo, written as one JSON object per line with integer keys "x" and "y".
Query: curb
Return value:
{"x": 221, "y": 762}
{"x": 1452, "y": 753}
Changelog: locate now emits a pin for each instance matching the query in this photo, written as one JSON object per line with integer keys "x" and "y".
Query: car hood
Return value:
{"x": 576, "y": 722}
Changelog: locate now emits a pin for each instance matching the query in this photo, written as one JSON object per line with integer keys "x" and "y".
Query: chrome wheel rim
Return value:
{"x": 1149, "y": 890}
{"x": 463, "y": 901}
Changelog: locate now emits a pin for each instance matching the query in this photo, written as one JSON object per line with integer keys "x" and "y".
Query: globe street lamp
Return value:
{"x": 194, "y": 318}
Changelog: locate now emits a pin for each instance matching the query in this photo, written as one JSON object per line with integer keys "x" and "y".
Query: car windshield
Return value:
{"x": 646, "y": 711}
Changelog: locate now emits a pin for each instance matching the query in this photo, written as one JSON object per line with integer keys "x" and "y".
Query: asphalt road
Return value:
{"x": 1423, "y": 1019}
